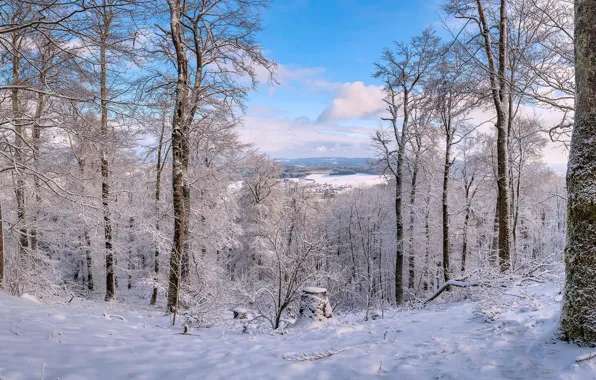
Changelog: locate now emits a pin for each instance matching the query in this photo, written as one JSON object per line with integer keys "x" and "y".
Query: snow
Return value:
{"x": 442, "y": 341}
{"x": 314, "y": 290}
{"x": 30, "y": 297}
{"x": 353, "y": 180}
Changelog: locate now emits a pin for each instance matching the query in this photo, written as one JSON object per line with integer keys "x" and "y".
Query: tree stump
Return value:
{"x": 240, "y": 313}
{"x": 315, "y": 309}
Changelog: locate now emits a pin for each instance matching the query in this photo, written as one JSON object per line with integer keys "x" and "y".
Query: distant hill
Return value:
{"x": 327, "y": 162}
{"x": 302, "y": 167}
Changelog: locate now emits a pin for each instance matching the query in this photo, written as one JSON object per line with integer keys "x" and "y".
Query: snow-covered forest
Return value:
{"x": 135, "y": 218}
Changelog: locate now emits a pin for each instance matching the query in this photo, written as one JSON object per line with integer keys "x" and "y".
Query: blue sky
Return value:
{"x": 327, "y": 104}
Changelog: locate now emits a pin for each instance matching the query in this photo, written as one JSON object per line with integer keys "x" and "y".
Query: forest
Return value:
{"x": 125, "y": 183}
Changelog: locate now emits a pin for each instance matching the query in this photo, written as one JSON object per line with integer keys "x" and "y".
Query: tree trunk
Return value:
{"x": 578, "y": 320}
{"x": 464, "y": 250}
{"x": 399, "y": 224}
{"x": 411, "y": 255}
{"x": 105, "y": 170}
{"x": 500, "y": 96}
{"x": 425, "y": 273}
{"x": 86, "y": 239}
{"x": 445, "y": 204}
{"x": 178, "y": 154}
{"x": 131, "y": 263}
{"x": 158, "y": 169}
{"x": 19, "y": 147}
{"x": 36, "y": 143}
{"x": 1, "y": 248}
{"x": 494, "y": 245}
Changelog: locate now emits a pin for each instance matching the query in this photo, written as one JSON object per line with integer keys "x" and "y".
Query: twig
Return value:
{"x": 586, "y": 357}
{"x": 312, "y": 357}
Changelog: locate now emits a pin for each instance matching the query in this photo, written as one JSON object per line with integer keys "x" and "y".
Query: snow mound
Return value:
{"x": 314, "y": 290}
{"x": 30, "y": 297}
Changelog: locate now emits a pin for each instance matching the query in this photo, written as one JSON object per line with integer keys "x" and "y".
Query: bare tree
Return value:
{"x": 453, "y": 100}
{"x": 162, "y": 154}
{"x": 497, "y": 70}
{"x": 402, "y": 71}
{"x": 214, "y": 45}
{"x": 109, "y": 36}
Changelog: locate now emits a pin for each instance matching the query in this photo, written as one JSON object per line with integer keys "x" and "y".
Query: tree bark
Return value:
{"x": 179, "y": 145}
{"x": 85, "y": 238}
{"x": 36, "y": 143}
{"x": 578, "y": 320}
{"x": 464, "y": 250}
{"x": 19, "y": 148}
{"x": 1, "y": 249}
{"x": 445, "y": 201}
{"x": 399, "y": 224}
{"x": 411, "y": 255}
{"x": 158, "y": 169}
{"x": 500, "y": 95}
{"x": 105, "y": 170}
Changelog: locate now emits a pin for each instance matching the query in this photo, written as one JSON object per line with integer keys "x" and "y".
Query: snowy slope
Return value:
{"x": 354, "y": 180}
{"x": 446, "y": 341}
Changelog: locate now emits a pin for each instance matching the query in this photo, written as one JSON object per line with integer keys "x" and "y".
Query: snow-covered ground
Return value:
{"x": 354, "y": 180}
{"x": 444, "y": 341}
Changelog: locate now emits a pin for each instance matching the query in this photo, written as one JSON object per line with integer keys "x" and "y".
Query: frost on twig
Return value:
{"x": 314, "y": 356}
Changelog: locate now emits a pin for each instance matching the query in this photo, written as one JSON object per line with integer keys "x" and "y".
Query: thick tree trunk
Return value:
{"x": 503, "y": 199}
{"x": 578, "y": 320}
{"x": 399, "y": 224}
{"x": 179, "y": 146}
{"x": 1, "y": 248}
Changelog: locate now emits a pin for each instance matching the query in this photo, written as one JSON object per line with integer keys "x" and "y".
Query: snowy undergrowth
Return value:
{"x": 456, "y": 340}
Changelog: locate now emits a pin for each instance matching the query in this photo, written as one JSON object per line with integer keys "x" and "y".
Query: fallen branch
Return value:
{"x": 312, "y": 357}
{"x": 586, "y": 357}
{"x": 446, "y": 285}
{"x": 110, "y": 316}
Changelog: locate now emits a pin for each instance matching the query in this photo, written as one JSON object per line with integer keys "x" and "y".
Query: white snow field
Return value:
{"x": 443, "y": 341}
{"x": 354, "y": 180}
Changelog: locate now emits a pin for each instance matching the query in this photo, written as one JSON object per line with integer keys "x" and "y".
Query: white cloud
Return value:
{"x": 301, "y": 137}
{"x": 353, "y": 101}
